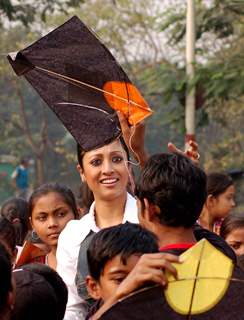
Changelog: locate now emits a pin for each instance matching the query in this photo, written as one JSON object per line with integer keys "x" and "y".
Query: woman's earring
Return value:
{"x": 34, "y": 235}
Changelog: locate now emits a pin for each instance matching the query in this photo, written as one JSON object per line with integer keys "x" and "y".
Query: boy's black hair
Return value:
{"x": 5, "y": 276}
{"x": 40, "y": 293}
{"x": 56, "y": 282}
{"x": 124, "y": 240}
{"x": 176, "y": 186}
{"x": 61, "y": 189}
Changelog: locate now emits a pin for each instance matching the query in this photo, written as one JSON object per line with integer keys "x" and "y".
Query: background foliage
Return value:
{"x": 149, "y": 41}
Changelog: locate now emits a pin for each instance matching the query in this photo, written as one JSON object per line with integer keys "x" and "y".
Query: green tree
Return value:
{"x": 28, "y": 128}
{"x": 26, "y": 12}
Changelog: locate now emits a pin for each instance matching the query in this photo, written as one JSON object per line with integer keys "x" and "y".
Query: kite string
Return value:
{"x": 207, "y": 278}
{"x": 195, "y": 283}
{"x": 126, "y": 162}
{"x": 77, "y": 82}
{"x": 138, "y": 163}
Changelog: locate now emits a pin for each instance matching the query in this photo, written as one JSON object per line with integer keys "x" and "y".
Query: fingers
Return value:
{"x": 124, "y": 124}
{"x": 161, "y": 261}
{"x": 191, "y": 152}
{"x": 173, "y": 148}
{"x": 193, "y": 145}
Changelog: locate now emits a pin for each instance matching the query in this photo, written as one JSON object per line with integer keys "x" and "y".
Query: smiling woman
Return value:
{"x": 51, "y": 207}
{"x": 106, "y": 171}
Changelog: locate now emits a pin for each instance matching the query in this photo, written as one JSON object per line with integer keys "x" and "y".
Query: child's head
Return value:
{"x": 172, "y": 189}
{"x": 232, "y": 230}
{"x": 16, "y": 211}
{"x": 221, "y": 191}
{"x": 113, "y": 253}
{"x": 40, "y": 293}
{"x": 51, "y": 207}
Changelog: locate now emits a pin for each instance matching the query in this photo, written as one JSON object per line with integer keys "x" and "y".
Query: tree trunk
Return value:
{"x": 39, "y": 170}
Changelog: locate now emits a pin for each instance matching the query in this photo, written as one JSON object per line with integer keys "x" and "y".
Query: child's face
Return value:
{"x": 113, "y": 274}
{"x": 50, "y": 215}
{"x": 235, "y": 240}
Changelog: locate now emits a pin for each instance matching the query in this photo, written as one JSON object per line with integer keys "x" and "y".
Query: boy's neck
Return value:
{"x": 110, "y": 213}
{"x": 173, "y": 235}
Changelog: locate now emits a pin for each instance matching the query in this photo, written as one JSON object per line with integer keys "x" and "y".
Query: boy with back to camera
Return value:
{"x": 170, "y": 196}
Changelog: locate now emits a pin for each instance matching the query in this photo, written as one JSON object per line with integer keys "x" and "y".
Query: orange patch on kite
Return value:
{"x": 125, "y": 97}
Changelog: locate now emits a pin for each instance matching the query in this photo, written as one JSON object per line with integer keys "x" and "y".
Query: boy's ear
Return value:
{"x": 151, "y": 211}
{"x": 93, "y": 288}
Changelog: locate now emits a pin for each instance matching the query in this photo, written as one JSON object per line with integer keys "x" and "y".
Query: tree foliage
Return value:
{"x": 26, "y": 12}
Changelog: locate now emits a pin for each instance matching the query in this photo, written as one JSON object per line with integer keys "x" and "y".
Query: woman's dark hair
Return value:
{"x": 40, "y": 293}
{"x": 124, "y": 240}
{"x": 85, "y": 198}
{"x": 176, "y": 186}
{"x": 231, "y": 222}
{"x": 81, "y": 152}
{"x": 7, "y": 234}
{"x": 217, "y": 183}
{"x": 16, "y": 211}
{"x": 63, "y": 190}
{"x": 5, "y": 276}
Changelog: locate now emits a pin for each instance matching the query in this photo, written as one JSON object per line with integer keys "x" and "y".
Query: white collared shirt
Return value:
{"x": 68, "y": 251}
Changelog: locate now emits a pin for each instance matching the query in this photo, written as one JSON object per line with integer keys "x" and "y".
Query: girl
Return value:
{"x": 51, "y": 207}
{"x": 220, "y": 201}
{"x": 232, "y": 230}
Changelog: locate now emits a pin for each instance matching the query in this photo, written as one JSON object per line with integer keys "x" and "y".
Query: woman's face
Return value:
{"x": 105, "y": 171}
{"x": 223, "y": 203}
{"x": 235, "y": 240}
{"x": 50, "y": 215}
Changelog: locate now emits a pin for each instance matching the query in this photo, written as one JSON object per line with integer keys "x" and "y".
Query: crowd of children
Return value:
{"x": 106, "y": 255}
{"x": 58, "y": 261}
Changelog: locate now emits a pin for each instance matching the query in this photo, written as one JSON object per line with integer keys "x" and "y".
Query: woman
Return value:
{"x": 220, "y": 201}
{"x": 51, "y": 207}
{"x": 105, "y": 170}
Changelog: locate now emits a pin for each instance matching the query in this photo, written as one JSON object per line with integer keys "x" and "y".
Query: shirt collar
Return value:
{"x": 130, "y": 213}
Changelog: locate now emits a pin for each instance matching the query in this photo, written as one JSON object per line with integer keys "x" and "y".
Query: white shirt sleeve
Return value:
{"x": 67, "y": 258}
